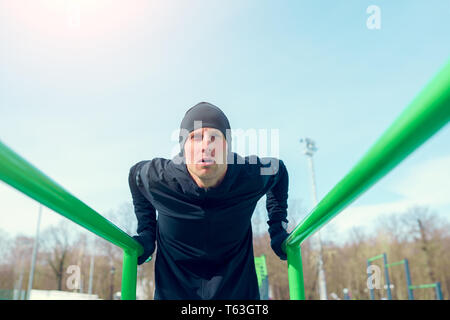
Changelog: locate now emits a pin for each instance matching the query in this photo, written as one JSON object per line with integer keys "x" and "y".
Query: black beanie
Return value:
{"x": 211, "y": 117}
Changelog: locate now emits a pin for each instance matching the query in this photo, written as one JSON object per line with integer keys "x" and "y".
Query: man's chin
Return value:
{"x": 205, "y": 171}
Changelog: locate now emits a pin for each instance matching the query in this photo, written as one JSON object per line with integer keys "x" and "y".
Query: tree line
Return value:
{"x": 419, "y": 234}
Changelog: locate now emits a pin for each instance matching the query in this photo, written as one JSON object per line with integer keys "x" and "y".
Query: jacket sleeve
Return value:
{"x": 277, "y": 186}
{"x": 144, "y": 210}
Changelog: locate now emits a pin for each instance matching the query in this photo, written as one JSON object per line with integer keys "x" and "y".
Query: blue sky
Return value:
{"x": 89, "y": 88}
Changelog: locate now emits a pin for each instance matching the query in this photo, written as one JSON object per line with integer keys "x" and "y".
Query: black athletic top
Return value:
{"x": 204, "y": 236}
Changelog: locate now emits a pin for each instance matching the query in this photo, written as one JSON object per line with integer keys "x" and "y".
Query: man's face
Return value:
{"x": 206, "y": 152}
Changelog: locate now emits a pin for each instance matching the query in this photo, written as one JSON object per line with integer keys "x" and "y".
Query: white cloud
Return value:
{"x": 428, "y": 183}
{"x": 423, "y": 184}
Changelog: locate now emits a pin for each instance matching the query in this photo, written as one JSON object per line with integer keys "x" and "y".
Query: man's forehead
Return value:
{"x": 203, "y": 130}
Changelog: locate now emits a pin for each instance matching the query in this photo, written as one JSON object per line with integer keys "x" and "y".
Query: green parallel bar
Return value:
{"x": 295, "y": 273}
{"x": 426, "y": 114}
{"x": 129, "y": 275}
{"x": 380, "y": 256}
{"x": 23, "y": 176}
{"x": 395, "y": 263}
{"x": 423, "y": 286}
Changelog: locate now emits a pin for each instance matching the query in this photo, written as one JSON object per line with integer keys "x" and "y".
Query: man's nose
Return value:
{"x": 206, "y": 142}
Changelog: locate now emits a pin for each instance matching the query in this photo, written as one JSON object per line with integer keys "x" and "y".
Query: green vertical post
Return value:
{"x": 258, "y": 268}
{"x": 295, "y": 273}
{"x": 408, "y": 280}
{"x": 264, "y": 280}
{"x": 129, "y": 275}
{"x": 438, "y": 291}
{"x": 386, "y": 275}
{"x": 264, "y": 265}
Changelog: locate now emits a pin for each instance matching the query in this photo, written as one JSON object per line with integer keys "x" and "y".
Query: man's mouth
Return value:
{"x": 207, "y": 161}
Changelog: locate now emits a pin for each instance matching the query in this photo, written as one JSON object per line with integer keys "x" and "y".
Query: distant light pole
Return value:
{"x": 111, "y": 293}
{"x": 18, "y": 292}
{"x": 310, "y": 148}
{"x": 33, "y": 259}
{"x": 91, "y": 269}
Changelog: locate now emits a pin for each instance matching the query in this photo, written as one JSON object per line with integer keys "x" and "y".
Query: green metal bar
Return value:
{"x": 261, "y": 268}
{"x": 129, "y": 275}
{"x": 426, "y": 114}
{"x": 395, "y": 263}
{"x": 423, "y": 286}
{"x": 438, "y": 291}
{"x": 295, "y": 274}
{"x": 262, "y": 276}
{"x": 258, "y": 268}
{"x": 17, "y": 172}
{"x": 264, "y": 265}
{"x": 380, "y": 256}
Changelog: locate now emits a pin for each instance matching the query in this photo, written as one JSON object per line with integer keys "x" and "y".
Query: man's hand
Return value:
{"x": 149, "y": 248}
{"x": 276, "y": 242}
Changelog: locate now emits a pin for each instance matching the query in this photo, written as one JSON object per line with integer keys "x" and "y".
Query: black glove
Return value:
{"x": 278, "y": 233}
{"x": 149, "y": 248}
{"x": 276, "y": 242}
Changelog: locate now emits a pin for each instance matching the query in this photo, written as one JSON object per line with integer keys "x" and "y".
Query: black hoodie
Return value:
{"x": 204, "y": 236}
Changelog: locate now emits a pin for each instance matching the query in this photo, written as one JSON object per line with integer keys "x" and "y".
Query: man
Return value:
{"x": 205, "y": 197}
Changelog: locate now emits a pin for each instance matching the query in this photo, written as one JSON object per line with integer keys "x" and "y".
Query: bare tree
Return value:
{"x": 6, "y": 271}
{"x": 5, "y": 244}
{"x": 56, "y": 241}
{"x": 423, "y": 223}
{"x": 14, "y": 274}
{"x": 124, "y": 217}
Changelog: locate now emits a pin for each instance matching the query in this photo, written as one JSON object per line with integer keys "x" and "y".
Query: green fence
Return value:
{"x": 428, "y": 112}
